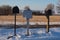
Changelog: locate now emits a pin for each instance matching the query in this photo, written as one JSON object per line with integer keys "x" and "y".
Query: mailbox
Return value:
{"x": 48, "y": 13}
{"x": 27, "y": 14}
{"x": 15, "y": 9}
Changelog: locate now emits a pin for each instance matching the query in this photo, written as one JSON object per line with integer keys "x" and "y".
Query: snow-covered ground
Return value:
{"x": 35, "y": 34}
{"x": 23, "y": 23}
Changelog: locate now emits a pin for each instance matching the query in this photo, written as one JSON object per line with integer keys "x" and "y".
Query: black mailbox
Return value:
{"x": 15, "y": 9}
{"x": 48, "y": 13}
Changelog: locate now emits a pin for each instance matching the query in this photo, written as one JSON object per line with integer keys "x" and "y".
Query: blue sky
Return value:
{"x": 34, "y": 4}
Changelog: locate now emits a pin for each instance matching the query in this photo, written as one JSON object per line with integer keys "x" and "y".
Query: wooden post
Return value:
{"x": 27, "y": 27}
{"x": 15, "y": 25}
{"x": 47, "y": 28}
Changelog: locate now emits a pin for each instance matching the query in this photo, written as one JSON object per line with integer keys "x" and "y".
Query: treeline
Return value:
{"x": 7, "y": 10}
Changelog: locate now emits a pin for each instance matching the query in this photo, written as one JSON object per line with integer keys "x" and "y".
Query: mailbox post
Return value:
{"x": 48, "y": 14}
{"x": 15, "y": 10}
{"x": 28, "y": 15}
{"x": 47, "y": 30}
{"x": 27, "y": 27}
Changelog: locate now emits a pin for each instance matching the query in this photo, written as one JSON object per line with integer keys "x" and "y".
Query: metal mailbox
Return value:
{"x": 27, "y": 14}
{"x": 15, "y": 9}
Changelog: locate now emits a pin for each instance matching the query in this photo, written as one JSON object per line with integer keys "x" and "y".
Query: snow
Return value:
{"x": 35, "y": 34}
{"x": 24, "y": 23}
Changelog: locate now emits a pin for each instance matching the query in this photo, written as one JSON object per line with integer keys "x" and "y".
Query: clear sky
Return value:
{"x": 34, "y": 4}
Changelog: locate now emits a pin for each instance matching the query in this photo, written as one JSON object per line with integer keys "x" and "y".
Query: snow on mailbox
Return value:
{"x": 27, "y": 14}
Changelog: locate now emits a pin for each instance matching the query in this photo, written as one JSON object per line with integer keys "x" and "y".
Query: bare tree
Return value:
{"x": 50, "y": 6}
{"x": 58, "y": 6}
{"x": 27, "y": 8}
